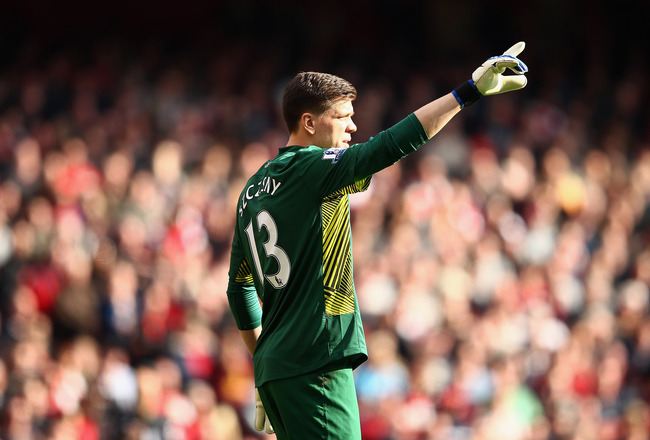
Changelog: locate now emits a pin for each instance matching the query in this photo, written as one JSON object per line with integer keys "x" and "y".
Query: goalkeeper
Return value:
{"x": 292, "y": 247}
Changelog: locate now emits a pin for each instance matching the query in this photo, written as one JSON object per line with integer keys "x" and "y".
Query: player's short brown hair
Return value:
{"x": 313, "y": 92}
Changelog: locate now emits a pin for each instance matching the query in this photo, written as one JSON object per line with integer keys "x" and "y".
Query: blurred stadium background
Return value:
{"x": 503, "y": 271}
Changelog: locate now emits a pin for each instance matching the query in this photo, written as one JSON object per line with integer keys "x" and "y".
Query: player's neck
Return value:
{"x": 298, "y": 139}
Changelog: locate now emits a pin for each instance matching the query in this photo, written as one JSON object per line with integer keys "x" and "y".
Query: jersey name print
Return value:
{"x": 267, "y": 185}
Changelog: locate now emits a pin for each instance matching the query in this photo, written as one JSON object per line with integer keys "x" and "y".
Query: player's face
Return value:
{"x": 334, "y": 128}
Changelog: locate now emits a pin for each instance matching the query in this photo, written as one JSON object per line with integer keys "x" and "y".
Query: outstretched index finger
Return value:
{"x": 515, "y": 49}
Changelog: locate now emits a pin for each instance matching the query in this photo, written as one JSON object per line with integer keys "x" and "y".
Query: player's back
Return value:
{"x": 281, "y": 219}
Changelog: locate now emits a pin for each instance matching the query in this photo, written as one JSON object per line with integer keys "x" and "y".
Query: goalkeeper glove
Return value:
{"x": 488, "y": 79}
{"x": 262, "y": 422}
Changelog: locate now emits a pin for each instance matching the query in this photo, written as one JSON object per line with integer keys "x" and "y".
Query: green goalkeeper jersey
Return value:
{"x": 292, "y": 249}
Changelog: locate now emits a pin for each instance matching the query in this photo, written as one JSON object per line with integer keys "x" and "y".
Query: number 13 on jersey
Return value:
{"x": 271, "y": 249}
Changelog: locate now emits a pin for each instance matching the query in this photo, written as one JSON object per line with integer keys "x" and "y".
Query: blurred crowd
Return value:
{"x": 503, "y": 270}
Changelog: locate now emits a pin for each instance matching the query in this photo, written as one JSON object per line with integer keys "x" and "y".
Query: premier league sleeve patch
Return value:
{"x": 334, "y": 154}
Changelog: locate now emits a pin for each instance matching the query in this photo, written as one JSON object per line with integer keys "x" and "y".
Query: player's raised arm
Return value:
{"x": 488, "y": 79}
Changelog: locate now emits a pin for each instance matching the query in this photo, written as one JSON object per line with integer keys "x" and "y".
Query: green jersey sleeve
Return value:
{"x": 331, "y": 170}
{"x": 388, "y": 147}
{"x": 242, "y": 296}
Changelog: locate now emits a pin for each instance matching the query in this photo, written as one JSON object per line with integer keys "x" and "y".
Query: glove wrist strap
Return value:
{"x": 466, "y": 94}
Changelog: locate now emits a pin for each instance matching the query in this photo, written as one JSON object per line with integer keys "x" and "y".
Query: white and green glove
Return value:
{"x": 262, "y": 422}
{"x": 489, "y": 78}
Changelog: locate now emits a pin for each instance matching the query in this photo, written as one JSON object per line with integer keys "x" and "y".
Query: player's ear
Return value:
{"x": 307, "y": 120}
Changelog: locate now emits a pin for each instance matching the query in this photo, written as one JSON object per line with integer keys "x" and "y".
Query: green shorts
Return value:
{"x": 313, "y": 406}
